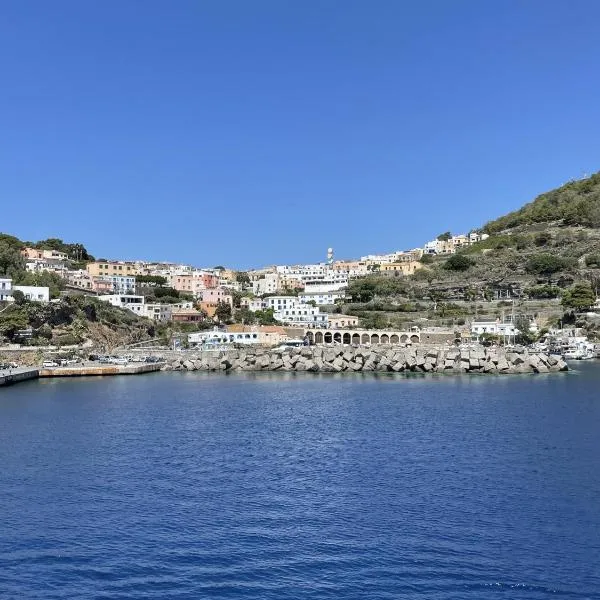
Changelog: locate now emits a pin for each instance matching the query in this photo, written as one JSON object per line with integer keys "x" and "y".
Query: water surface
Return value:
{"x": 269, "y": 486}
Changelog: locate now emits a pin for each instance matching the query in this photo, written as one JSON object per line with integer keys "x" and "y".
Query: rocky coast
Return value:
{"x": 319, "y": 359}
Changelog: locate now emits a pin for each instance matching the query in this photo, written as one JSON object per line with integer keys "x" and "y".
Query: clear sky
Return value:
{"x": 246, "y": 133}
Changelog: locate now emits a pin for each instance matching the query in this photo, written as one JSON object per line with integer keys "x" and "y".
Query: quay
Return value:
{"x": 100, "y": 370}
{"x": 11, "y": 376}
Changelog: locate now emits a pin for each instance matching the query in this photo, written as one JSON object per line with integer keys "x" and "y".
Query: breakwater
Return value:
{"x": 381, "y": 359}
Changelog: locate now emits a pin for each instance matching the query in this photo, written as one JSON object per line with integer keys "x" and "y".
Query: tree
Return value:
{"x": 19, "y": 297}
{"x": 223, "y": 312}
{"x": 243, "y": 315}
{"x": 426, "y": 259}
{"x": 546, "y": 264}
{"x": 266, "y": 317}
{"x": 524, "y": 335}
{"x": 156, "y": 280}
{"x": 242, "y": 277}
{"x": 458, "y": 262}
{"x": 579, "y": 297}
{"x": 11, "y": 261}
{"x": 444, "y": 237}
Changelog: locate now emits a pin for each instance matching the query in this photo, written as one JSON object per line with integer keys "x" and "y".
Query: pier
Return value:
{"x": 10, "y": 376}
{"x": 91, "y": 370}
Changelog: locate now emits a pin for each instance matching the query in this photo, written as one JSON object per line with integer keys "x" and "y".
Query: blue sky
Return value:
{"x": 251, "y": 133}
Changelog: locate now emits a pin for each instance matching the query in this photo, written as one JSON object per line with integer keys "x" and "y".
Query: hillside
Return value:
{"x": 576, "y": 203}
{"x": 536, "y": 256}
{"x": 74, "y": 320}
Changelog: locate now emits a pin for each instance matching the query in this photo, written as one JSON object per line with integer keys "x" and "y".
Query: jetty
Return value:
{"x": 91, "y": 370}
{"x": 381, "y": 358}
{"x": 11, "y": 376}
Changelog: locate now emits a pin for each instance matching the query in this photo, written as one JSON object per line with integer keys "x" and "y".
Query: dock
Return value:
{"x": 100, "y": 370}
{"x": 11, "y": 376}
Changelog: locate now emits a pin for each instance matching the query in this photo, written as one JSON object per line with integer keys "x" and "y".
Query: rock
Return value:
{"x": 503, "y": 364}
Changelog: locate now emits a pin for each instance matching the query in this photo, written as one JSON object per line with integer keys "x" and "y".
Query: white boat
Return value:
{"x": 579, "y": 350}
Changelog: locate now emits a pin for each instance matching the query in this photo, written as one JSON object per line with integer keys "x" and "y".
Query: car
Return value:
{"x": 118, "y": 360}
{"x": 49, "y": 364}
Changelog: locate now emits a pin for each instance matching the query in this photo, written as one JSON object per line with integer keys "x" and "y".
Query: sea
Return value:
{"x": 301, "y": 486}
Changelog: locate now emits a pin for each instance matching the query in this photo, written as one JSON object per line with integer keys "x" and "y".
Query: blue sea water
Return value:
{"x": 268, "y": 486}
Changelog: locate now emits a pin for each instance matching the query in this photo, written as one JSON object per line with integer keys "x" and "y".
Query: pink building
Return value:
{"x": 215, "y": 295}
{"x": 193, "y": 284}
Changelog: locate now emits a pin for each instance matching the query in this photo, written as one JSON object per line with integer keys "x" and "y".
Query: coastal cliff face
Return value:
{"x": 379, "y": 359}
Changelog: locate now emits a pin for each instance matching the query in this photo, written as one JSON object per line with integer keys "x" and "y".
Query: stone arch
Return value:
{"x": 328, "y": 337}
{"x": 319, "y": 337}
{"x": 403, "y": 338}
{"x": 347, "y": 338}
{"x": 374, "y": 339}
{"x": 355, "y": 338}
{"x": 337, "y": 337}
{"x": 394, "y": 339}
{"x": 414, "y": 338}
{"x": 365, "y": 339}
{"x": 385, "y": 338}
{"x": 311, "y": 337}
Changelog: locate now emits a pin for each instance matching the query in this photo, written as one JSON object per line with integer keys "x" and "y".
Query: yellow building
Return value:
{"x": 406, "y": 268}
{"x": 98, "y": 269}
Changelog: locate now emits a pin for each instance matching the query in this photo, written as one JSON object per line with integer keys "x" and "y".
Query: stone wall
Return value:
{"x": 395, "y": 359}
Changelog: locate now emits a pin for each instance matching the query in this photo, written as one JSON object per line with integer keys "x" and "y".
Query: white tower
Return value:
{"x": 329, "y": 256}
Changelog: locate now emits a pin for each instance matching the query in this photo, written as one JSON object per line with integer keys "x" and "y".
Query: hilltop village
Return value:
{"x": 267, "y": 301}
{"x": 531, "y": 276}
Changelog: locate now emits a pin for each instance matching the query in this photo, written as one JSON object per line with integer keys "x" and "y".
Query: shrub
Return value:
{"x": 592, "y": 260}
{"x": 546, "y": 264}
{"x": 458, "y": 262}
{"x": 543, "y": 292}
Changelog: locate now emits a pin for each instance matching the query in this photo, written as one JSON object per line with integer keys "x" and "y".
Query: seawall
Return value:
{"x": 381, "y": 358}
{"x": 17, "y": 375}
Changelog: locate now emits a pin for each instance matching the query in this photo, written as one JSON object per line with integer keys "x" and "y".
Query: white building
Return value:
{"x": 5, "y": 289}
{"x": 38, "y": 266}
{"x": 322, "y": 298}
{"x": 253, "y": 304}
{"x": 331, "y": 284}
{"x": 157, "y": 312}
{"x": 133, "y": 303}
{"x": 494, "y": 328}
{"x": 290, "y": 311}
{"x": 33, "y": 292}
{"x": 121, "y": 284}
{"x": 269, "y": 284}
{"x": 208, "y": 338}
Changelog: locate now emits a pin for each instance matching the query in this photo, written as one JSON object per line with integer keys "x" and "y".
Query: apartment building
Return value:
{"x": 112, "y": 268}
{"x": 117, "y": 284}
{"x": 133, "y": 303}
{"x": 322, "y": 298}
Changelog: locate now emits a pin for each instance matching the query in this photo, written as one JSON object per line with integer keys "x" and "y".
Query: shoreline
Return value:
{"x": 321, "y": 359}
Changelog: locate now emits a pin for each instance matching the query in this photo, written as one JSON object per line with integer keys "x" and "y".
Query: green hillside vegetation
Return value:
{"x": 576, "y": 203}
{"x": 73, "y": 320}
{"x": 546, "y": 256}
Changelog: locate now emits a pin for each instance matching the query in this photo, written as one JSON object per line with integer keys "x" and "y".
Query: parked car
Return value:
{"x": 48, "y": 364}
{"x": 118, "y": 360}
